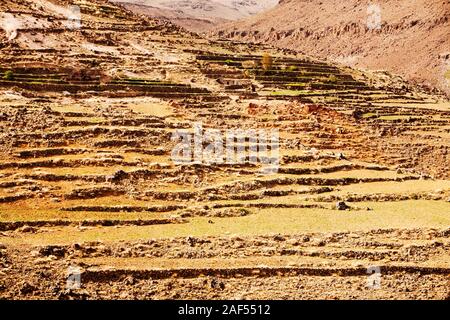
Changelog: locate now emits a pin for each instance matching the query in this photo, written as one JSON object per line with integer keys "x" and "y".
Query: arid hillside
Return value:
{"x": 198, "y": 15}
{"x": 115, "y": 183}
{"x": 411, "y": 40}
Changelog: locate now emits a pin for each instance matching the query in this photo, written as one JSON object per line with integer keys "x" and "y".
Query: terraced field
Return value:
{"x": 87, "y": 177}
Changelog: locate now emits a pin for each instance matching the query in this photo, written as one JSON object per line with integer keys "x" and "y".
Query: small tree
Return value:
{"x": 267, "y": 61}
{"x": 9, "y": 75}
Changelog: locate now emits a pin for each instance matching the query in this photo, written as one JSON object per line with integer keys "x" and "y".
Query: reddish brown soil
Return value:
{"x": 405, "y": 269}
{"x": 88, "y": 178}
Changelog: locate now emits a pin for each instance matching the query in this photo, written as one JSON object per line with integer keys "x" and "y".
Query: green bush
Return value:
{"x": 332, "y": 78}
{"x": 9, "y": 75}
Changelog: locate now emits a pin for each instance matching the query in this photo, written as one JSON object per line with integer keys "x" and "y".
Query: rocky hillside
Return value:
{"x": 411, "y": 40}
{"x": 129, "y": 167}
{"x": 198, "y": 15}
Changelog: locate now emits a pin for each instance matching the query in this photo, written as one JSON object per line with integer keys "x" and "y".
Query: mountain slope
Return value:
{"x": 142, "y": 161}
{"x": 413, "y": 39}
{"x": 198, "y": 15}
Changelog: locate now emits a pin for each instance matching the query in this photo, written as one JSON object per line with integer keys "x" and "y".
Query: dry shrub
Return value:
{"x": 267, "y": 61}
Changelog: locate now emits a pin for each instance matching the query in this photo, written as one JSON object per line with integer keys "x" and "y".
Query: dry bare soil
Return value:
{"x": 87, "y": 179}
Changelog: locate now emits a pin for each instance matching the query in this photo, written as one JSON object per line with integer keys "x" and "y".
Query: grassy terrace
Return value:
{"x": 101, "y": 10}
{"x": 41, "y": 81}
{"x": 286, "y": 78}
{"x": 267, "y": 221}
{"x": 90, "y": 180}
{"x": 294, "y": 77}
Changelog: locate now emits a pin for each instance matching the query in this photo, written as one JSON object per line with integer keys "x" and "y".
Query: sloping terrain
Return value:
{"x": 88, "y": 178}
{"x": 198, "y": 15}
{"x": 412, "y": 39}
